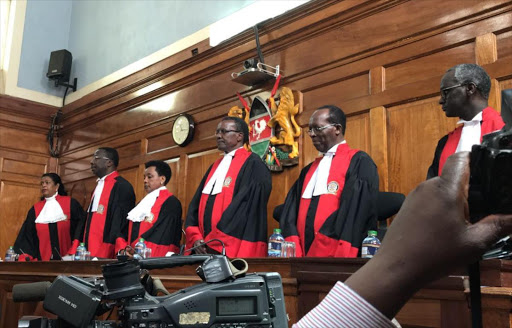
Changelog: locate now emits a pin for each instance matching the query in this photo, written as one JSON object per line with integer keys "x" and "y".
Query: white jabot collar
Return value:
{"x": 471, "y": 133}
{"x": 100, "y": 182}
{"x": 318, "y": 183}
{"x": 143, "y": 208}
{"x": 51, "y": 212}
{"x": 214, "y": 185}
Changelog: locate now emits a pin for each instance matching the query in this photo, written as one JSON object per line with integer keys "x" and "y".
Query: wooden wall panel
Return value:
{"x": 15, "y": 201}
{"x": 415, "y": 129}
{"x": 504, "y": 42}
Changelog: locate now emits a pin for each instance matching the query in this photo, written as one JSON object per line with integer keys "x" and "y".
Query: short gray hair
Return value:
{"x": 472, "y": 73}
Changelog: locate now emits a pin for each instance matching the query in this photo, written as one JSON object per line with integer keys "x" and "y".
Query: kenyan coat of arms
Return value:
{"x": 272, "y": 128}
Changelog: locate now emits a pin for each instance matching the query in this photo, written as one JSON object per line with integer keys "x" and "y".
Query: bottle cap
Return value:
{"x": 372, "y": 233}
{"x": 277, "y": 230}
{"x": 11, "y": 247}
{"x": 142, "y": 239}
{"x": 82, "y": 244}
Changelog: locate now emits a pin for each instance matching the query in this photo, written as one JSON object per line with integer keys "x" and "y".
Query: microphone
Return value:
{"x": 31, "y": 292}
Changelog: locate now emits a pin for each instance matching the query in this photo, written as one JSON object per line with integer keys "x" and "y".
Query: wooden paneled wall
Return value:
{"x": 381, "y": 61}
{"x": 23, "y": 159}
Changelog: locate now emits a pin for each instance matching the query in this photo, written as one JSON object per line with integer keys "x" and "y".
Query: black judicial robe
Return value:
{"x": 333, "y": 224}
{"x": 106, "y": 230}
{"x": 41, "y": 241}
{"x": 237, "y": 215}
{"x": 447, "y": 145}
{"x": 161, "y": 231}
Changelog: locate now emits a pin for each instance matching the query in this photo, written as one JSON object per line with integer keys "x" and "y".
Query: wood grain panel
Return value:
{"x": 15, "y": 201}
{"x": 428, "y": 66}
{"x": 29, "y": 142}
{"x": 504, "y": 44}
{"x": 415, "y": 130}
{"x": 31, "y": 169}
{"x": 357, "y": 133}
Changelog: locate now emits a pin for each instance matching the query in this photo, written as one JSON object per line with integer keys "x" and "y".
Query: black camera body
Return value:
{"x": 253, "y": 300}
{"x": 490, "y": 184}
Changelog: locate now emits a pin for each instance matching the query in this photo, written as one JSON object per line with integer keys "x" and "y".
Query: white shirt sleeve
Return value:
{"x": 344, "y": 308}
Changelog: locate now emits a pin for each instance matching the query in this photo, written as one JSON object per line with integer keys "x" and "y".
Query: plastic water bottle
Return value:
{"x": 140, "y": 248}
{"x": 274, "y": 244}
{"x": 80, "y": 252}
{"x": 371, "y": 245}
{"x": 10, "y": 255}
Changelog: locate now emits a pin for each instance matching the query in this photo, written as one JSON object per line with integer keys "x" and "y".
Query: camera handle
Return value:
{"x": 475, "y": 295}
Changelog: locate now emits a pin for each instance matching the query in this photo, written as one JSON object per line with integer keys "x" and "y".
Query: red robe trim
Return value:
{"x": 491, "y": 121}
{"x": 157, "y": 250}
{"x": 234, "y": 247}
{"x": 327, "y": 204}
{"x": 43, "y": 230}
{"x": 95, "y": 244}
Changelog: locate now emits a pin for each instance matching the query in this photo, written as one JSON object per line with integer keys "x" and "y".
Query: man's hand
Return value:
{"x": 200, "y": 249}
{"x": 430, "y": 237}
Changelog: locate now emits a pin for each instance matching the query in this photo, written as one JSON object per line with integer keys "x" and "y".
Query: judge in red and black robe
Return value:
{"x": 332, "y": 205}
{"x": 106, "y": 229}
{"x": 230, "y": 203}
{"x": 464, "y": 93}
{"x": 51, "y": 224}
{"x": 157, "y": 218}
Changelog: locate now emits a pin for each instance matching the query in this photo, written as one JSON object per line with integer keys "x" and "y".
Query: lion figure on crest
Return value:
{"x": 284, "y": 116}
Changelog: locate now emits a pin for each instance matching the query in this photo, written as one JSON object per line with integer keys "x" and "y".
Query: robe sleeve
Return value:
{"x": 165, "y": 235}
{"x": 246, "y": 217}
{"x": 27, "y": 242}
{"x": 433, "y": 170}
{"x": 192, "y": 232}
{"x": 77, "y": 226}
{"x": 358, "y": 204}
{"x": 290, "y": 212}
{"x": 121, "y": 202}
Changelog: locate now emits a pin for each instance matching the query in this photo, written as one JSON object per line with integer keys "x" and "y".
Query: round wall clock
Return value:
{"x": 183, "y": 130}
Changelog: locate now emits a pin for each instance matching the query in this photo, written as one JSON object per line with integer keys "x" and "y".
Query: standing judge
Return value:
{"x": 157, "y": 218}
{"x": 464, "y": 93}
{"x": 230, "y": 203}
{"x": 51, "y": 224}
{"x": 106, "y": 227}
{"x": 332, "y": 205}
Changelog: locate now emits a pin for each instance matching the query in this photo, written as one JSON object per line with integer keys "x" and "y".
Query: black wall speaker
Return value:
{"x": 60, "y": 65}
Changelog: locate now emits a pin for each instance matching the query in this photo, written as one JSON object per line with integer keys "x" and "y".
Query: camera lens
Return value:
{"x": 250, "y": 63}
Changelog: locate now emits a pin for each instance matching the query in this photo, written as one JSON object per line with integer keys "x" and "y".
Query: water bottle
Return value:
{"x": 140, "y": 248}
{"x": 371, "y": 245}
{"x": 274, "y": 244}
{"x": 79, "y": 254}
{"x": 10, "y": 255}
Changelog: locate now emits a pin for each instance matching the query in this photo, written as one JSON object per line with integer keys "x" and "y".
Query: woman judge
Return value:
{"x": 157, "y": 218}
{"x": 50, "y": 226}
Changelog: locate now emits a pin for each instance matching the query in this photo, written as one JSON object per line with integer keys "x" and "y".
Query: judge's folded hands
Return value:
{"x": 430, "y": 237}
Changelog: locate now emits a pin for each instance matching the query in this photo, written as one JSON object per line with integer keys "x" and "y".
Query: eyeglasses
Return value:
{"x": 97, "y": 157}
{"x": 446, "y": 91}
{"x": 317, "y": 129}
{"x": 224, "y": 131}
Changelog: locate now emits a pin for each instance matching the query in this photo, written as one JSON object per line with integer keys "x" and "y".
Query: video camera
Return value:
{"x": 228, "y": 298}
{"x": 490, "y": 190}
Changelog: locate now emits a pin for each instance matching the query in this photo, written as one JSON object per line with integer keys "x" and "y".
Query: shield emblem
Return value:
{"x": 260, "y": 134}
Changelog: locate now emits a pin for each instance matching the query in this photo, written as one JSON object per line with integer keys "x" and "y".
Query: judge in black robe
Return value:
{"x": 106, "y": 229}
{"x": 51, "y": 224}
{"x": 236, "y": 213}
{"x": 157, "y": 217}
{"x": 333, "y": 223}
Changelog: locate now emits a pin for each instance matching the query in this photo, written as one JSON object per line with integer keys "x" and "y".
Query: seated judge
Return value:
{"x": 230, "y": 203}
{"x": 157, "y": 218}
{"x": 332, "y": 205}
{"x": 51, "y": 224}
{"x": 106, "y": 228}
{"x": 464, "y": 94}
{"x": 424, "y": 243}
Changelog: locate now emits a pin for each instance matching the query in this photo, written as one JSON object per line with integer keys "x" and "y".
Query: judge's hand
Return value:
{"x": 430, "y": 237}
{"x": 200, "y": 249}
